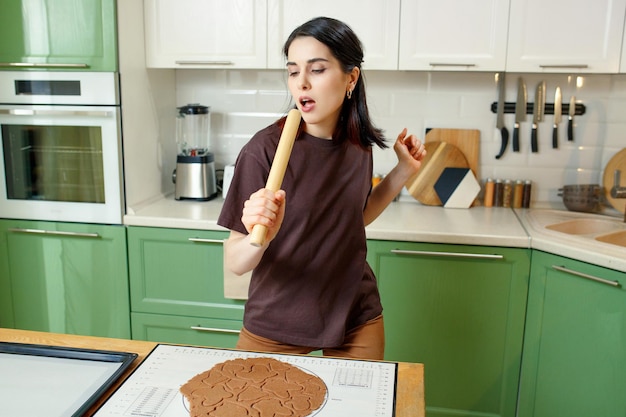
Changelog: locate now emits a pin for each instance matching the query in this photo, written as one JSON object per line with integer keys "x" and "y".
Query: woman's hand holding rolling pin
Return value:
{"x": 267, "y": 208}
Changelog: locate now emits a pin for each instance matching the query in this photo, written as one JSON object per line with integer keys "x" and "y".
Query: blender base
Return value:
{"x": 194, "y": 178}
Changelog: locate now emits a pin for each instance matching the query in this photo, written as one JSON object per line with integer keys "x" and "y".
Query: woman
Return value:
{"x": 311, "y": 287}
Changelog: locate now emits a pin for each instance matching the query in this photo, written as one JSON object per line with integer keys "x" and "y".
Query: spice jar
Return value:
{"x": 498, "y": 193}
{"x": 526, "y": 196}
{"x": 518, "y": 194}
{"x": 507, "y": 194}
{"x": 489, "y": 188}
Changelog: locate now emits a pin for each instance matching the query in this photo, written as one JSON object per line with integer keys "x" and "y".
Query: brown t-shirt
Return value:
{"x": 313, "y": 283}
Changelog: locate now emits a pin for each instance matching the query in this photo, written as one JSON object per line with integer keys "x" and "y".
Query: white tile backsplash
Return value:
{"x": 244, "y": 101}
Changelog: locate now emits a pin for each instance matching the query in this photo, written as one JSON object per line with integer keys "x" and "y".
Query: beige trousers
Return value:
{"x": 365, "y": 342}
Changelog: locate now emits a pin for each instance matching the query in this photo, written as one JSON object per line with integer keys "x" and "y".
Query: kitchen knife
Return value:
{"x": 557, "y": 118}
{"x": 520, "y": 111}
{"x": 504, "y": 133}
{"x": 570, "y": 121}
{"x": 538, "y": 109}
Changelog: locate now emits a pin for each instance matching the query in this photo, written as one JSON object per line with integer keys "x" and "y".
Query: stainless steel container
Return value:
{"x": 582, "y": 197}
{"x": 195, "y": 178}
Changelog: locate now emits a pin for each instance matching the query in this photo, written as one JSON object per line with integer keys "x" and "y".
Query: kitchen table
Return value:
{"x": 409, "y": 389}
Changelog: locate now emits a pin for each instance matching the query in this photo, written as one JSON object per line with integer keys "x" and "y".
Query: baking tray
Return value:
{"x": 40, "y": 380}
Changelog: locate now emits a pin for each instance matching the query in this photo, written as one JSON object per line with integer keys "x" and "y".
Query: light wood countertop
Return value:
{"x": 401, "y": 221}
{"x": 409, "y": 221}
{"x": 409, "y": 390}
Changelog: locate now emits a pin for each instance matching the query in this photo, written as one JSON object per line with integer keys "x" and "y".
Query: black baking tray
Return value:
{"x": 38, "y": 380}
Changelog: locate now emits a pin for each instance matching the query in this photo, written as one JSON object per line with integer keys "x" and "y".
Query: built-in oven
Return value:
{"x": 61, "y": 149}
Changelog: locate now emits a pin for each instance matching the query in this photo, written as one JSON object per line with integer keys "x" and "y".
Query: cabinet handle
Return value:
{"x": 447, "y": 254}
{"x": 28, "y": 112}
{"x": 205, "y": 63}
{"x": 200, "y": 240}
{"x": 215, "y": 330}
{"x": 575, "y": 66}
{"x": 53, "y": 232}
{"x": 41, "y": 65}
{"x": 586, "y": 276}
{"x": 443, "y": 64}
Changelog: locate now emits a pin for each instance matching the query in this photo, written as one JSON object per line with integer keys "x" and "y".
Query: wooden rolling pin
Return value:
{"x": 279, "y": 165}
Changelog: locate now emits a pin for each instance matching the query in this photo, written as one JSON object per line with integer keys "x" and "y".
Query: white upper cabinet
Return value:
{"x": 525, "y": 36}
{"x": 453, "y": 35}
{"x": 565, "y": 36}
{"x": 375, "y": 22}
{"x": 206, "y": 33}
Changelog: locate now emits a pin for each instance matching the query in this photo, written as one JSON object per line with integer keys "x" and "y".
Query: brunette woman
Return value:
{"x": 311, "y": 286}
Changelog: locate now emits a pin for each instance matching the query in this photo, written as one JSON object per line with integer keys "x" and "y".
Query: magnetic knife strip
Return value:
{"x": 549, "y": 109}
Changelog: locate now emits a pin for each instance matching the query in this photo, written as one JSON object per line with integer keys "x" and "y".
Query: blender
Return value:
{"x": 194, "y": 176}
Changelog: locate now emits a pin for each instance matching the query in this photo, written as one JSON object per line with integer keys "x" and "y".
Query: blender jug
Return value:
{"x": 192, "y": 130}
{"x": 194, "y": 176}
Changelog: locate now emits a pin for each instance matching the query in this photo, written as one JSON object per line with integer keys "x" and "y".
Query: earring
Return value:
{"x": 349, "y": 94}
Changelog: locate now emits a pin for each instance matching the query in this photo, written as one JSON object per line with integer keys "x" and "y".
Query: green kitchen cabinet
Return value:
{"x": 177, "y": 287}
{"x": 460, "y": 311}
{"x": 58, "y": 34}
{"x": 197, "y": 331}
{"x": 574, "y": 361}
{"x": 64, "y": 278}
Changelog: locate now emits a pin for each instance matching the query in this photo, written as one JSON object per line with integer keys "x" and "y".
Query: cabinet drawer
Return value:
{"x": 185, "y": 330}
{"x": 179, "y": 272}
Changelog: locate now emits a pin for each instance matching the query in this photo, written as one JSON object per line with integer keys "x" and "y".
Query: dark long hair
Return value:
{"x": 354, "y": 120}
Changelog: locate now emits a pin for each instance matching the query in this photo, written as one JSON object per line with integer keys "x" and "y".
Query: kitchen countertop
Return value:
{"x": 408, "y": 220}
{"x": 582, "y": 246}
{"x": 401, "y": 221}
{"x": 409, "y": 389}
{"x": 414, "y": 222}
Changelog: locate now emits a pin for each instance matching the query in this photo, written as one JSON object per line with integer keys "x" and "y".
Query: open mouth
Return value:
{"x": 306, "y": 103}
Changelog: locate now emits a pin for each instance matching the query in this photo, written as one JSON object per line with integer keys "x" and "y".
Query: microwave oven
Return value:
{"x": 60, "y": 147}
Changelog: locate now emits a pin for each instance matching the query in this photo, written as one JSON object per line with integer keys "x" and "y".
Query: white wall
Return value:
{"x": 244, "y": 101}
{"x": 147, "y": 98}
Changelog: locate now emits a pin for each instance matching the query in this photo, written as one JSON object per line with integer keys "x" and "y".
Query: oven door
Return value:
{"x": 61, "y": 163}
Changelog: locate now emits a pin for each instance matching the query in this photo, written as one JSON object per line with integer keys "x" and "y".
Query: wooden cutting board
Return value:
{"x": 467, "y": 140}
{"x": 439, "y": 155}
{"x": 617, "y": 162}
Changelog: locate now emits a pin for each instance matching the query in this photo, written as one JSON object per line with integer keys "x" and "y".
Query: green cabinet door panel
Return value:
{"x": 575, "y": 342}
{"x": 58, "y": 34}
{"x": 460, "y": 311}
{"x": 186, "y": 330}
{"x": 6, "y": 297}
{"x": 67, "y": 277}
{"x": 179, "y": 272}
